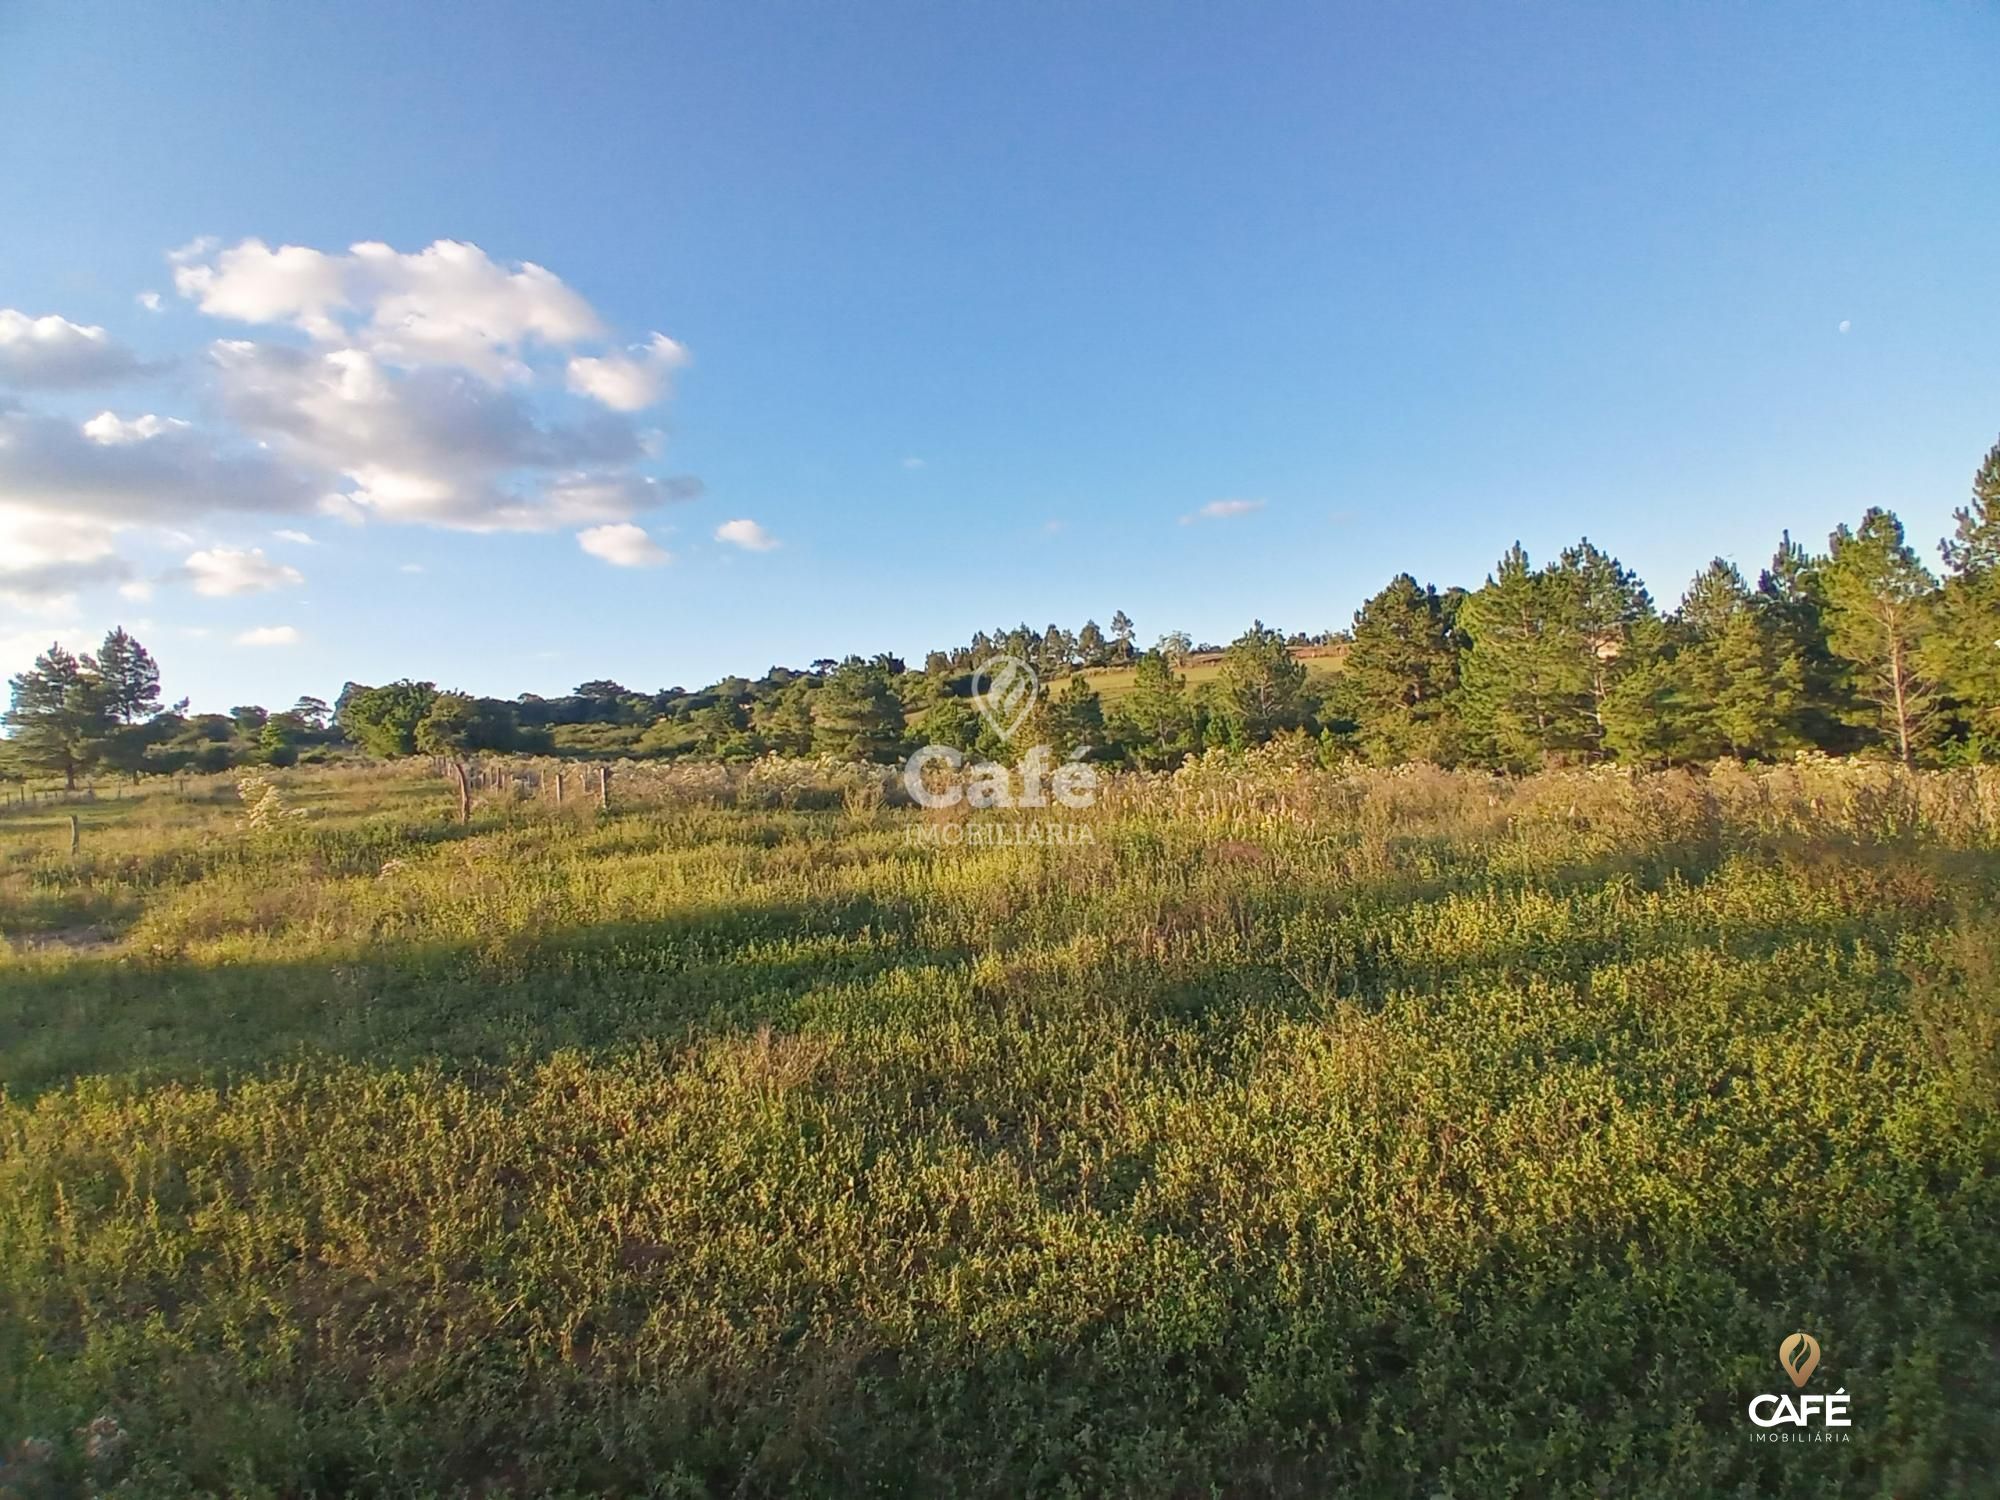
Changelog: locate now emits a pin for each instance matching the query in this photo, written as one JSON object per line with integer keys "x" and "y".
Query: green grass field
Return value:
{"x": 1113, "y": 683}
{"x": 1407, "y": 1134}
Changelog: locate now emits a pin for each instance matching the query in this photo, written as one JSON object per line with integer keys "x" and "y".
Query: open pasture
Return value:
{"x": 1401, "y": 1134}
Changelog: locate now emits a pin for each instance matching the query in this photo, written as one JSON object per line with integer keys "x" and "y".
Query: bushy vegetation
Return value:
{"x": 1403, "y": 1133}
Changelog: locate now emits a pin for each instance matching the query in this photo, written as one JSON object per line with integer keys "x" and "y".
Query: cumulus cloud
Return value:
{"x": 434, "y": 388}
{"x": 746, "y": 534}
{"x": 435, "y": 446}
{"x": 631, "y": 381}
{"x": 1222, "y": 510}
{"x": 269, "y": 635}
{"x": 224, "y": 572}
{"x": 52, "y": 353}
{"x": 449, "y": 303}
{"x": 623, "y": 544}
{"x": 128, "y": 471}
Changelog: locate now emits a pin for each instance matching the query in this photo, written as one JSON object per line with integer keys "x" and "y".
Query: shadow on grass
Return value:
{"x": 723, "y": 969}
{"x": 732, "y": 968}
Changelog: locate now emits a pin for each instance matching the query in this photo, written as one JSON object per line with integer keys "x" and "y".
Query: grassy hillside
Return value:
{"x": 1113, "y": 683}
{"x": 1399, "y": 1135}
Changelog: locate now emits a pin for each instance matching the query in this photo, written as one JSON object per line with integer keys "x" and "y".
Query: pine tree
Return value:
{"x": 128, "y": 678}
{"x": 1156, "y": 722}
{"x": 1714, "y": 598}
{"x": 1880, "y": 601}
{"x": 1598, "y": 607}
{"x": 1741, "y": 677}
{"x": 1646, "y": 713}
{"x": 1758, "y": 689}
{"x": 1262, "y": 687}
{"x": 1521, "y": 696}
{"x": 1054, "y": 651}
{"x": 1963, "y": 654}
{"x": 1791, "y": 597}
{"x": 947, "y": 719}
{"x": 856, "y": 713}
{"x": 1401, "y": 673}
{"x": 58, "y": 715}
{"x": 1073, "y": 719}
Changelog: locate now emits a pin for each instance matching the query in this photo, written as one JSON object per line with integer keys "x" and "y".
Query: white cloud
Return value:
{"x": 746, "y": 534}
{"x": 151, "y": 301}
{"x": 631, "y": 381}
{"x": 623, "y": 544}
{"x": 269, "y": 635}
{"x": 1220, "y": 510}
{"x": 1845, "y": 324}
{"x": 913, "y": 463}
{"x": 431, "y": 446}
{"x": 146, "y": 469}
{"x": 31, "y": 539}
{"x": 430, "y": 393}
{"x": 410, "y": 568}
{"x": 224, "y": 572}
{"x": 114, "y": 431}
{"x": 138, "y": 591}
{"x": 447, "y": 303}
{"x": 52, "y": 353}
{"x": 68, "y": 490}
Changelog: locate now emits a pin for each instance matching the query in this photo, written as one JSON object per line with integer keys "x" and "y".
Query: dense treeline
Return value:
{"x": 1858, "y": 649}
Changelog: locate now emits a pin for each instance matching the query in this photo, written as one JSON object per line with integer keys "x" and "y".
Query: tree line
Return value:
{"x": 1859, "y": 648}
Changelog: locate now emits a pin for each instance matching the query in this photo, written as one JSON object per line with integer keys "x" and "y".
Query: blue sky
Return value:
{"x": 971, "y": 306}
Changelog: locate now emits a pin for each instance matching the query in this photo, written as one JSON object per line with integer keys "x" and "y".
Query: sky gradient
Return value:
{"x": 976, "y": 314}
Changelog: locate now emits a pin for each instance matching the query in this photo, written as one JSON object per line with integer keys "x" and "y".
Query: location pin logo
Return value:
{"x": 1004, "y": 688}
{"x": 1799, "y": 1356}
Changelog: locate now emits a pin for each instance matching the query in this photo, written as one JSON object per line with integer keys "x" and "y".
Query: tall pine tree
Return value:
{"x": 1791, "y": 595}
{"x": 1401, "y": 675}
{"x": 58, "y": 715}
{"x": 1880, "y": 601}
{"x": 1741, "y": 676}
{"x": 1963, "y": 654}
{"x": 1155, "y": 721}
{"x": 129, "y": 678}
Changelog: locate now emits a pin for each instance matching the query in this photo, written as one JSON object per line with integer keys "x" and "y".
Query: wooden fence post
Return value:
{"x": 604, "y": 786}
{"x": 75, "y": 834}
